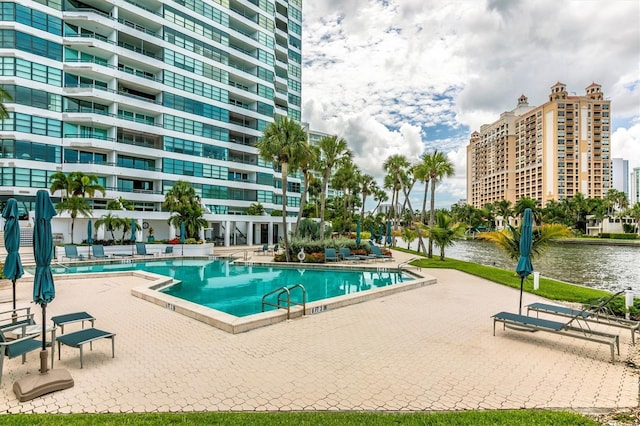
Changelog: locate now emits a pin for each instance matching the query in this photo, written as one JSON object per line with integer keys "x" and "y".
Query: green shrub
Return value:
{"x": 629, "y": 228}
{"x": 618, "y": 236}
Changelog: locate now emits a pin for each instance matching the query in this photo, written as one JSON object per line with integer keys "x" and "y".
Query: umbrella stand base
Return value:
{"x": 39, "y": 384}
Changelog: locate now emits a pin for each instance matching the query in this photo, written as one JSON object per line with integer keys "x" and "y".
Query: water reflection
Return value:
{"x": 605, "y": 267}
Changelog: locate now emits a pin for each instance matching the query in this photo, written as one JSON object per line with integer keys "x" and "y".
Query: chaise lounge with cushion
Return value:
{"x": 377, "y": 253}
{"x": 330, "y": 255}
{"x": 71, "y": 252}
{"x": 575, "y": 327}
{"x": 345, "y": 254}
{"x": 595, "y": 314}
{"x": 97, "y": 251}
{"x": 141, "y": 250}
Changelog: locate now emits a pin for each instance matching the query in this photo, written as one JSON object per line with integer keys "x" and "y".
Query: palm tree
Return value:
{"x": 74, "y": 205}
{"x": 332, "y": 150}
{"x": 508, "y": 239}
{"x": 183, "y": 200}
{"x": 438, "y": 166}
{"x": 396, "y": 167}
{"x": 445, "y": 231}
{"x": 61, "y": 182}
{"x": 110, "y": 222}
{"x": 346, "y": 179}
{"x": 528, "y": 203}
{"x": 368, "y": 186}
{"x": 306, "y": 161}
{"x": 409, "y": 235}
{"x": 83, "y": 185}
{"x": 503, "y": 208}
{"x": 282, "y": 142}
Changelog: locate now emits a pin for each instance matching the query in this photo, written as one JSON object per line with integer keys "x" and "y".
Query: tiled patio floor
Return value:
{"x": 431, "y": 348}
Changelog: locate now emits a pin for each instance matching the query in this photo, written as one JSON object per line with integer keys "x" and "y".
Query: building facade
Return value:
{"x": 548, "y": 152}
{"x": 634, "y": 186}
{"x": 620, "y": 175}
{"x": 145, "y": 93}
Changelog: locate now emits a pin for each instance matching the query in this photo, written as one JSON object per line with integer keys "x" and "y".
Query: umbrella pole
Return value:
{"x": 14, "y": 314}
{"x": 521, "y": 290}
{"x": 44, "y": 352}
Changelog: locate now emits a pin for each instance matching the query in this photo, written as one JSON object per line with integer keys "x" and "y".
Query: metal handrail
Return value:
{"x": 245, "y": 256}
{"x": 407, "y": 262}
{"x": 286, "y": 290}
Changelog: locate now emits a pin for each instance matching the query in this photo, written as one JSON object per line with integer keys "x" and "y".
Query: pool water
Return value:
{"x": 237, "y": 289}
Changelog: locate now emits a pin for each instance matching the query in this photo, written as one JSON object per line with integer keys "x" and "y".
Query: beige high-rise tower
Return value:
{"x": 549, "y": 152}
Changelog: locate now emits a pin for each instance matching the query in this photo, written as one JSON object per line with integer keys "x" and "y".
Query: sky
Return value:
{"x": 411, "y": 76}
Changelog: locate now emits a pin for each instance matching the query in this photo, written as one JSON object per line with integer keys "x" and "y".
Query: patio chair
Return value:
{"x": 71, "y": 252}
{"x": 375, "y": 251}
{"x": 274, "y": 250}
{"x": 141, "y": 250}
{"x": 16, "y": 318}
{"x": 345, "y": 254}
{"x": 168, "y": 251}
{"x": 97, "y": 251}
{"x": 594, "y": 314}
{"x": 17, "y": 347}
{"x": 263, "y": 250}
{"x": 576, "y": 327}
{"x": 330, "y": 255}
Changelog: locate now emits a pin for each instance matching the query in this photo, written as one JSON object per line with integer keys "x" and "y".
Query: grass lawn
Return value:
{"x": 475, "y": 418}
{"x": 550, "y": 289}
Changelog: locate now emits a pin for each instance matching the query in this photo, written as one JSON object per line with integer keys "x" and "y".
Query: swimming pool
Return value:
{"x": 221, "y": 286}
{"x": 237, "y": 289}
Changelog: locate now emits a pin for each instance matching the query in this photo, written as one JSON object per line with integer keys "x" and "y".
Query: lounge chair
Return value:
{"x": 141, "y": 250}
{"x": 594, "y": 314}
{"x": 263, "y": 250}
{"x": 330, "y": 255}
{"x": 274, "y": 250}
{"x": 345, "y": 254}
{"x": 572, "y": 328}
{"x": 168, "y": 251}
{"x": 375, "y": 251}
{"x": 97, "y": 252}
{"x": 71, "y": 252}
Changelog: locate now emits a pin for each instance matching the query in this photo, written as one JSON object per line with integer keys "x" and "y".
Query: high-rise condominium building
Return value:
{"x": 634, "y": 186}
{"x": 143, "y": 93}
{"x": 548, "y": 152}
{"x": 620, "y": 175}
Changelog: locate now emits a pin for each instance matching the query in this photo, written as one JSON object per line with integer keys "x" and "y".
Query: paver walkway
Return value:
{"x": 430, "y": 348}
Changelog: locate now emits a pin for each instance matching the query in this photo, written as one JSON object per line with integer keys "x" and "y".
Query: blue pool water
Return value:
{"x": 238, "y": 289}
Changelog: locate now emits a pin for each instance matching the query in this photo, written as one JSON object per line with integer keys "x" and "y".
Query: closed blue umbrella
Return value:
{"x": 389, "y": 232}
{"x": 89, "y": 232}
{"x": 373, "y": 232}
{"x": 525, "y": 268}
{"x": 183, "y": 234}
{"x": 12, "y": 264}
{"x": 44, "y": 290}
{"x": 133, "y": 229}
{"x": 358, "y": 232}
{"x": 381, "y": 233}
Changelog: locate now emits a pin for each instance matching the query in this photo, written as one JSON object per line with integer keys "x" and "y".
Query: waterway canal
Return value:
{"x": 605, "y": 267}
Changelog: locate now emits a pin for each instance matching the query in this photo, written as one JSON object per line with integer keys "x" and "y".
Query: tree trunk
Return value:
{"x": 285, "y": 237}
{"x": 432, "y": 215}
{"x": 323, "y": 199}
{"x": 303, "y": 202}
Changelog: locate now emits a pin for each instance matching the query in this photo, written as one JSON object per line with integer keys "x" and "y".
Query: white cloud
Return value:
{"x": 402, "y": 77}
{"x": 626, "y": 144}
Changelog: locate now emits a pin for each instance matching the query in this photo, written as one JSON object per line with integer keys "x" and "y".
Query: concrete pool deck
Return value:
{"x": 430, "y": 348}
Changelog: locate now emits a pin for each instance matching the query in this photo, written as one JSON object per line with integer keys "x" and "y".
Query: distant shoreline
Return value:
{"x": 599, "y": 242}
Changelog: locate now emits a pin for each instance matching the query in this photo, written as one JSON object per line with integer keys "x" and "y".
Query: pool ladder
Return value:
{"x": 287, "y": 302}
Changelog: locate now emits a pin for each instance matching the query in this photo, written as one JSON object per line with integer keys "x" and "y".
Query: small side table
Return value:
{"x": 62, "y": 320}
